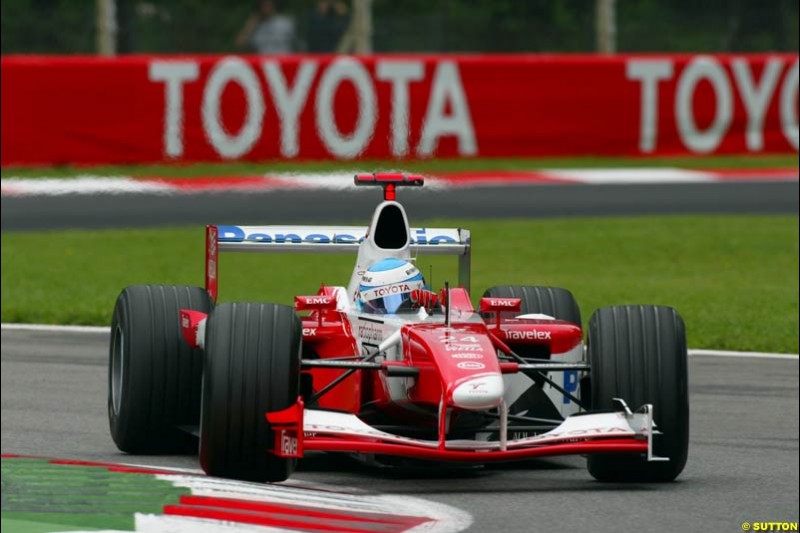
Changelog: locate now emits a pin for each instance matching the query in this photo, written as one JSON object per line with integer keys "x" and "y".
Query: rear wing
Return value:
{"x": 326, "y": 240}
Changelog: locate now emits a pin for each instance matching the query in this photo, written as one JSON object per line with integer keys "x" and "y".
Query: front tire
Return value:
{"x": 252, "y": 367}
{"x": 638, "y": 353}
{"x": 153, "y": 375}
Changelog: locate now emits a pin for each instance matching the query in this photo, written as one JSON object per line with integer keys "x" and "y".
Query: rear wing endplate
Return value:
{"x": 326, "y": 240}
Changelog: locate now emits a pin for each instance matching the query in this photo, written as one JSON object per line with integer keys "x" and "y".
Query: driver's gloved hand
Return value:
{"x": 424, "y": 298}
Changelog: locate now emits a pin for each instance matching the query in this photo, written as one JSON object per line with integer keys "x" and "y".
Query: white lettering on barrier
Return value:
{"x": 447, "y": 87}
{"x": 788, "y": 106}
{"x": 346, "y": 146}
{"x": 289, "y": 102}
{"x": 174, "y": 74}
{"x": 695, "y": 139}
{"x": 447, "y": 92}
{"x": 756, "y": 98}
{"x": 649, "y": 72}
{"x": 232, "y": 70}
{"x": 400, "y": 74}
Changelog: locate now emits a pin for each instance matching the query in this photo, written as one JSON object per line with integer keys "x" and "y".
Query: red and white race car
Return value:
{"x": 386, "y": 367}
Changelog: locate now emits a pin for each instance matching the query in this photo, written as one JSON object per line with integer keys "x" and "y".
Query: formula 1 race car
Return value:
{"x": 385, "y": 368}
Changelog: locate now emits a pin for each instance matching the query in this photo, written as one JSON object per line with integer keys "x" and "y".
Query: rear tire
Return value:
{"x": 153, "y": 376}
{"x": 552, "y": 301}
{"x": 252, "y": 367}
{"x": 638, "y": 353}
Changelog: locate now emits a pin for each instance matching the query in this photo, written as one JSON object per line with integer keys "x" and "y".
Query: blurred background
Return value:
{"x": 176, "y": 26}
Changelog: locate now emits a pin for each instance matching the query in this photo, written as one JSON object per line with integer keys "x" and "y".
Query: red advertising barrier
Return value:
{"x": 88, "y": 110}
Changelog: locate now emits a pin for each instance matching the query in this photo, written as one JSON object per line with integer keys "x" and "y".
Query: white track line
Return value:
{"x": 623, "y": 176}
{"x": 729, "y": 353}
{"x": 95, "y": 184}
{"x": 55, "y": 328}
{"x": 102, "y": 329}
{"x": 81, "y": 185}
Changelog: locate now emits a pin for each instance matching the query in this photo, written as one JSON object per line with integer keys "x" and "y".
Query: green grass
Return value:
{"x": 428, "y": 166}
{"x": 733, "y": 278}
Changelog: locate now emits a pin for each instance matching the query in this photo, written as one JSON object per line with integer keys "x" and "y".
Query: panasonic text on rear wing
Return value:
{"x": 325, "y": 239}
{"x": 333, "y": 239}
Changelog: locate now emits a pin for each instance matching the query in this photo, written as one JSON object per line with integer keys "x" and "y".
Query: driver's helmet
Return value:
{"x": 386, "y": 286}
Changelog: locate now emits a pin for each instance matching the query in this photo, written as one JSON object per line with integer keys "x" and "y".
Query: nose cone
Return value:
{"x": 482, "y": 392}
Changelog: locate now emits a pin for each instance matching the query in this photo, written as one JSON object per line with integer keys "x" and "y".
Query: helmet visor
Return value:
{"x": 387, "y": 305}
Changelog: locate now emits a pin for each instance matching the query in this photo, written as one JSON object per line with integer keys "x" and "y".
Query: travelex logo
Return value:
{"x": 232, "y": 234}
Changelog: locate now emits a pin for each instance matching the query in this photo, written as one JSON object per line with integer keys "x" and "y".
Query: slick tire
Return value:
{"x": 252, "y": 367}
{"x": 638, "y": 353}
{"x": 154, "y": 377}
{"x": 552, "y": 301}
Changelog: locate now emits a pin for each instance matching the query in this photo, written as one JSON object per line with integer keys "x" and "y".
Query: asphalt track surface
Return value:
{"x": 743, "y": 459}
{"x": 332, "y": 207}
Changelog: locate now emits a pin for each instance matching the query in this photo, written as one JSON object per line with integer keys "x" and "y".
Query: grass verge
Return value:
{"x": 733, "y": 278}
{"x": 428, "y": 166}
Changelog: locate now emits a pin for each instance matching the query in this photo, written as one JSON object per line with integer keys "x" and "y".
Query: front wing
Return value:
{"x": 607, "y": 432}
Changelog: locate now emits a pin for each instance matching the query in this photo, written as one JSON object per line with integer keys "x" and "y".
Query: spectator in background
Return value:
{"x": 326, "y": 25}
{"x": 267, "y": 31}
